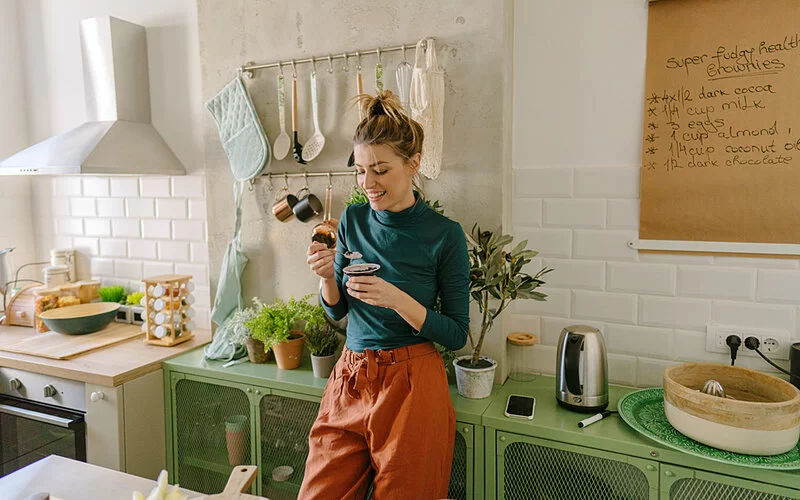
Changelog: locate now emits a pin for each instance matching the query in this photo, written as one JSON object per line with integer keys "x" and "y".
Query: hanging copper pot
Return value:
{"x": 325, "y": 231}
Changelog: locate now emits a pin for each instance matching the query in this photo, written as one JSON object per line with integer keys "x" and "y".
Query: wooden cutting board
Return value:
{"x": 58, "y": 346}
{"x": 239, "y": 481}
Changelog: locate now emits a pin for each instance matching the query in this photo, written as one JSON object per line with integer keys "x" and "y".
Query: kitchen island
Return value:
{"x": 115, "y": 393}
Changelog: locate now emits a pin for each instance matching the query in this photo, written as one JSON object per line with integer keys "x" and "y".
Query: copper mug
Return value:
{"x": 284, "y": 203}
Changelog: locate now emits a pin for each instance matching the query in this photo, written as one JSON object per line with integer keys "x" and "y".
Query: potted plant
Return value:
{"x": 495, "y": 280}
{"x": 277, "y": 326}
{"x": 257, "y": 352}
{"x": 322, "y": 343}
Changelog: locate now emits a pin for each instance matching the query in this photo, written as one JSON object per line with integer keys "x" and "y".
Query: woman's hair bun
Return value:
{"x": 385, "y": 103}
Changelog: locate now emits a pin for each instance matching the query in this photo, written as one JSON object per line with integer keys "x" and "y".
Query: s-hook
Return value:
{"x": 346, "y": 63}
{"x": 358, "y": 61}
{"x": 403, "y": 48}
{"x": 294, "y": 69}
{"x": 330, "y": 65}
{"x": 280, "y": 67}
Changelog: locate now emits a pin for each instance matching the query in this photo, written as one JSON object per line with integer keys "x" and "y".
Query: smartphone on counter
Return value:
{"x": 520, "y": 406}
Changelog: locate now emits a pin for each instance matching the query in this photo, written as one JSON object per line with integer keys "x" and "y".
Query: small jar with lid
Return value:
{"x": 520, "y": 355}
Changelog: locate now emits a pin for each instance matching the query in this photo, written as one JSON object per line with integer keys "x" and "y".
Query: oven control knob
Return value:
{"x": 50, "y": 391}
{"x": 97, "y": 396}
{"x": 15, "y": 384}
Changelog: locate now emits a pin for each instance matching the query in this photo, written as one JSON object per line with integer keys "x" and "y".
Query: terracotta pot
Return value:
{"x": 288, "y": 354}
{"x": 255, "y": 351}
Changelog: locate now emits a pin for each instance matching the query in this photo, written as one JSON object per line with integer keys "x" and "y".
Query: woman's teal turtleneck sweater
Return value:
{"x": 420, "y": 252}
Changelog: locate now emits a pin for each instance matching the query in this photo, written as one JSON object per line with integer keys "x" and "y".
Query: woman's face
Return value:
{"x": 385, "y": 176}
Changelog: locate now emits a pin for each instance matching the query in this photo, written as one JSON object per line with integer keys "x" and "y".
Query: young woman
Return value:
{"x": 385, "y": 418}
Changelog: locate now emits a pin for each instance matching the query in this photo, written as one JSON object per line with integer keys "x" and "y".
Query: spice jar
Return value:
{"x": 519, "y": 350}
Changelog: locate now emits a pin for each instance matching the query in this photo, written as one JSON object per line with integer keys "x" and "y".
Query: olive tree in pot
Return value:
{"x": 495, "y": 280}
{"x": 278, "y": 326}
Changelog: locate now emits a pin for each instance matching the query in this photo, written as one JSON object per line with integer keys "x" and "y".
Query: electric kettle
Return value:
{"x": 582, "y": 369}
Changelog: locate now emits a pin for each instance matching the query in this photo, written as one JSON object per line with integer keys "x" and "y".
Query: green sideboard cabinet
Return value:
{"x": 280, "y": 407}
{"x": 494, "y": 457}
{"x": 681, "y": 483}
{"x": 530, "y": 468}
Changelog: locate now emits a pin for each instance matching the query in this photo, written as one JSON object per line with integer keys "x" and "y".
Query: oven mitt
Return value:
{"x": 426, "y": 101}
{"x": 240, "y": 130}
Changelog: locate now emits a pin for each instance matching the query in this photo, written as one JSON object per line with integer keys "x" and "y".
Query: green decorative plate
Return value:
{"x": 644, "y": 411}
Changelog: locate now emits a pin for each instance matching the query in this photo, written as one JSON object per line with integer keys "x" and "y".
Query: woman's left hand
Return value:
{"x": 374, "y": 291}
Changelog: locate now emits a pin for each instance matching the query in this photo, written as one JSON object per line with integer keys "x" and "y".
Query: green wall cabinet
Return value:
{"x": 532, "y": 469}
{"x": 680, "y": 483}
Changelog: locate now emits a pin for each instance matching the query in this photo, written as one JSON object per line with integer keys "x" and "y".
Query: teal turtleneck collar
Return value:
{"x": 403, "y": 217}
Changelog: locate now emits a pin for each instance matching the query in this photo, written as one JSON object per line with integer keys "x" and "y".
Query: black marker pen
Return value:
{"x": 594, "y": 418}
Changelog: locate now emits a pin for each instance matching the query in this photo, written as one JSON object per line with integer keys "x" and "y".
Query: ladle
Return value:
{"x": 297, "y": 153}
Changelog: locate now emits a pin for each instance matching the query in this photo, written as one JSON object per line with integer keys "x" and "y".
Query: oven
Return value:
{"x": 39, "y": 416}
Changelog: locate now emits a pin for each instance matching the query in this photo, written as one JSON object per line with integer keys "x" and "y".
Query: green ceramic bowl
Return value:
{"x": 82, "y": 319}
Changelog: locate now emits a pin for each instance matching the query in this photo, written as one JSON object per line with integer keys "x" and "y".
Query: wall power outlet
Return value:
{"x": 774, "y": 343}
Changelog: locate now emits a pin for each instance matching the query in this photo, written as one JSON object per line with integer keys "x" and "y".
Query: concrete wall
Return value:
{"x": 470, "y": 37}
{"x": 579, "y": 72}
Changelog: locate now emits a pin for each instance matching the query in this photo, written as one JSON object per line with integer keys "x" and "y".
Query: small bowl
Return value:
{"x": 81, "y": 319}
{"x": 361, "y": 269}
{"x": 282, "y": 473}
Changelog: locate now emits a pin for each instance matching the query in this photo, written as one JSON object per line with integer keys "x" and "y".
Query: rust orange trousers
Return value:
{"x": 385, "y": 419}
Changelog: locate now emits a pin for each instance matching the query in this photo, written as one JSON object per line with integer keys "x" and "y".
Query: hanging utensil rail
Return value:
{"x": 281, "y": 175}
{"x": 249, "y": 67}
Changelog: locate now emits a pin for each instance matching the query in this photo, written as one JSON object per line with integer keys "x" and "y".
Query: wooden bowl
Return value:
{"x": 81, "y": 319}
{"x": 763, "y": 419}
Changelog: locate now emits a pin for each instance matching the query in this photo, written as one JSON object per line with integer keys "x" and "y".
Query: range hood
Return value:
{"x": 118, "y": 137}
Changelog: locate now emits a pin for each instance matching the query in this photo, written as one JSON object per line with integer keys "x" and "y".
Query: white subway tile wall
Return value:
{"x": 128, "y": 228}
{"x": 653, "y": 309}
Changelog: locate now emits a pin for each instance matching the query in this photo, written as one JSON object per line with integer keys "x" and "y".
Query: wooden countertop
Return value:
{"x": 71, "y": 480}
{"x": 110, "y": 366}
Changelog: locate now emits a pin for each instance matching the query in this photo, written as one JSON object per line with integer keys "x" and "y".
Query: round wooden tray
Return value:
{"x": 644, "y": 411}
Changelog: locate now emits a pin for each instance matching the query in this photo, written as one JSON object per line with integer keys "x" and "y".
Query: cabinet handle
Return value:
{"x": 248, "y": 390}
{"x": 502, "y": 438}
{"x": 97, "y": 396}
{"x": 669, "y": 473}
{"x": 258, "y": 392}
{"x": 466, "y": 430}
{"x": 651, "y": 467}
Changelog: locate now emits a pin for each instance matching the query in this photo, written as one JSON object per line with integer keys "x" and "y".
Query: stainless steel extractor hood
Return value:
{"x": 118, "y": 137}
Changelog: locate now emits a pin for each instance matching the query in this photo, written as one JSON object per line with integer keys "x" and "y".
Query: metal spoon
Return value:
{"x": 351, "y": 255}
{"x": 283, "y": 143}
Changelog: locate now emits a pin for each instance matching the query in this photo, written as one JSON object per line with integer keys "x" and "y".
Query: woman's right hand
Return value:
{"x": 320, "y": 260}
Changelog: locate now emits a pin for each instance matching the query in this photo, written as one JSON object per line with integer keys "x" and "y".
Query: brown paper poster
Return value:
{"x": 721, "y": 148}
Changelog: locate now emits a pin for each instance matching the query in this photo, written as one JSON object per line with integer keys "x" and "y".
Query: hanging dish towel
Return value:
{"x": 427, "y": 106}
{"x": 240, "y": 130}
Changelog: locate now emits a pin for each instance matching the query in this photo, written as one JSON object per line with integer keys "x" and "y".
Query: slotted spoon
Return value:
{"x": 314, "y": 145}
{"x": 283, "y": 143}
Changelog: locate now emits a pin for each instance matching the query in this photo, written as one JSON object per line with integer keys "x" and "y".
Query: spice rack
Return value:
{"x": 168, "y": 313}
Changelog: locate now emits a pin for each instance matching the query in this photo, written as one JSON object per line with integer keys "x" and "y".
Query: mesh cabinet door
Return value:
{"x": 285, "y": 423}
{"x": 680, "y": 483}
{"x": 462, "y": 473}
{"x": 205, "y": 451}
{"x": 533, "y": 469}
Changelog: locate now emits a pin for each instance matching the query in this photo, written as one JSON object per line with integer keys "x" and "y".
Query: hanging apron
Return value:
{"x": 229, "y": 286}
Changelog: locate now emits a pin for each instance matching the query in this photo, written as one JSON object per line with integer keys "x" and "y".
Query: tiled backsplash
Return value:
{"x": 127, "y": 228}
{"x": 653, "y": 309}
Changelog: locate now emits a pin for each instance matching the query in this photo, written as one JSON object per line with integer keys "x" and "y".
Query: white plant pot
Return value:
{"x": 323, "y": 365}
{"x": 474, "y": 383}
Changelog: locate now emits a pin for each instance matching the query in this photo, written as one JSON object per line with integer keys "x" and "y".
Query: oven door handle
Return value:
{"x": 66, "y": 423}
